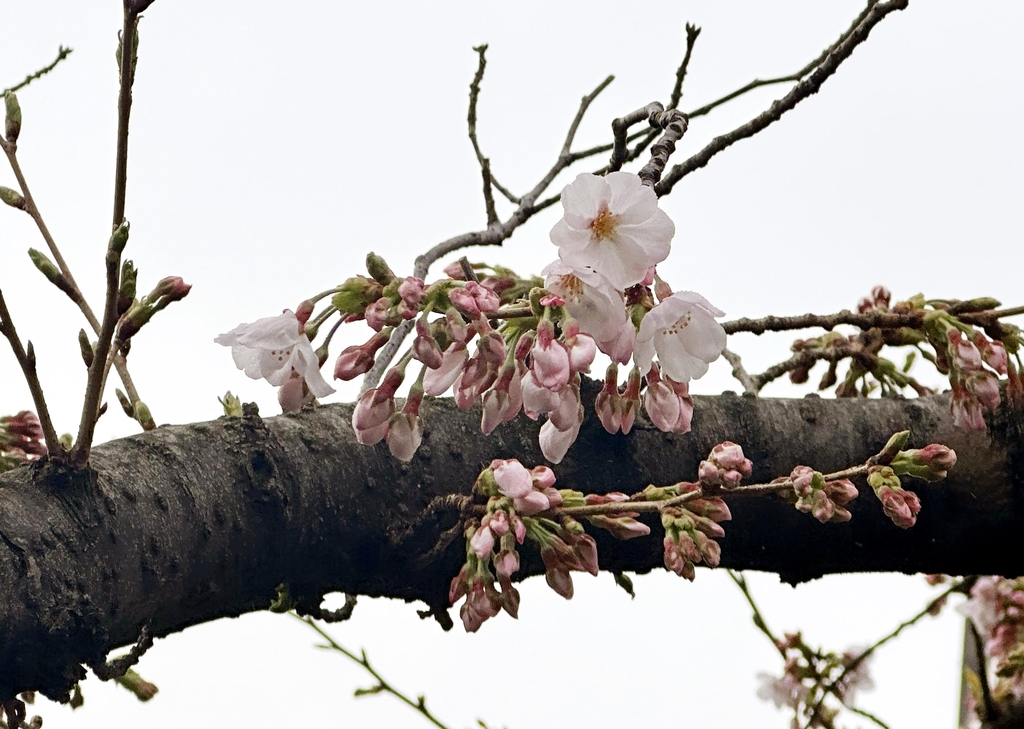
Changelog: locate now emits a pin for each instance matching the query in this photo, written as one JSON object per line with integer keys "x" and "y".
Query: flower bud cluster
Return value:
{"x": 996, "y": 606}
{"x": 806, "y": 670}
{"x": 21, "y": 439}
{"x": 690, "y": 530}
{"x": 824, "y": 500}
{"x": 514, "y": 496}
{"x": 375, "y": 417}
{"x": 900, "y": 505}
{"x": 928, "y": 464}
{"x": 725, "y": 467}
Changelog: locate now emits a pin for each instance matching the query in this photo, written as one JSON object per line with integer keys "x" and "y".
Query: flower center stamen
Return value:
{"x": 604, "y": 224}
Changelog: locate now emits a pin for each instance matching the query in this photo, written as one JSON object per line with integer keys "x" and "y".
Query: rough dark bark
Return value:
{"x": 190, "y": 523}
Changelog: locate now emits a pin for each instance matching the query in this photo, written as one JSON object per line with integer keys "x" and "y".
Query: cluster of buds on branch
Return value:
{"x": 964, "y": 340}
{"x": 513, "y": 506}
{"x": 996, "y": 608}
{"x": 517, "y": 345}
{"x": 810, "y": 677}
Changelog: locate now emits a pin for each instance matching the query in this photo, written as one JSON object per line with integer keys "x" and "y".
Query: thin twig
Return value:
{"x": 419, "y": 704}
{"x": 62, "y": 53}
{"x": 27, "y": 361}
{"x": 621, "y": 126}
{"x": 675, "y": 124}
{"x": 72, "y": 290}
{"x": 793, "y": 77}
{"x": 495, "y": 234}
{"x": 740, "y": 373}
{"x": 692, "y": 31}
{"x": 868, "y": 320}
{"x": 857, "y": 34}
{"x": 759, "y": 620}
{"x": 94, "y": 384}
{"x": 474, "y": 93}
{"x": 831, "y": 687}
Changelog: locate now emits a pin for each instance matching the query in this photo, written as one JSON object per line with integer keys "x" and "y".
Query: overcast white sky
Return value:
{"x": 274, "y": 144}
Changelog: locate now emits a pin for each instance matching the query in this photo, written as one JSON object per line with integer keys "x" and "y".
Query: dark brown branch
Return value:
{"x": 674, "y": 123}
{"x": 868, "y": 320}
{"x": 791, "y": 78}
{"x": 62, "y": 53}
{"x": 621, "y": 126}
{"x": 807, "y": 87}
{"x": 185, "y": 524}
{"x": 692, "y": 31}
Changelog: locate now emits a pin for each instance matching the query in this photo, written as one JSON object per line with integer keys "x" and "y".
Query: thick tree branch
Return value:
{"x": 185, "y": 524}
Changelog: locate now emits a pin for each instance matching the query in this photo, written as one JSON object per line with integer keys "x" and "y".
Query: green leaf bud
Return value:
{"x": 144, "y": 417}
{"x": 12, "y": 126}
{"x": 86, "y": 348}
{"x": 378, "y": 268}
{"x": 45, "y": 265}
{"x": 119, "y": 238}
{"x": 12, "y": 198}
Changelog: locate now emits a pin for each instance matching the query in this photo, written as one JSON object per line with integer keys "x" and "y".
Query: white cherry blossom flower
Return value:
{"x": 274, "y": 347}
{"x": 613, "y": 225}
{"x": 682, "y": 331}
{"x": 596, "y": 306}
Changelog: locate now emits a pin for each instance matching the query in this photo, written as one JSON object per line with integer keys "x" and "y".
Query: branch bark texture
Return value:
{"x": 190, "y": 523}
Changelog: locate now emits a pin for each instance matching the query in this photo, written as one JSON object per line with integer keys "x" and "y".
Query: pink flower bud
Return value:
{"x": 543, "y": 477}
{"x": 512, "y": 478}
{"x": 498, "y": 522}
{"x": 404, "y": 435}
{"x": 899, "y": 505}
{"x": 411, "y": 290}
{"x": 378, "y": 314}
{"x": 437, "y": 381}
{"x": 549, "y": 359}
{"x": 506, "y": 563}
{"x": 938, "y": 455}
{"x": 985, "y": 386}
{"x": 966, "y": 410}
{"x": 482, "y": 542}
{"x": 555, "y": 443}
{"x": 531, "y": 503}
{"x": 454, "y": 270}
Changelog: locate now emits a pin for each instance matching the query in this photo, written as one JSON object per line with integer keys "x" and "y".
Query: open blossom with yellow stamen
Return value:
{"x": 613, "y": 225}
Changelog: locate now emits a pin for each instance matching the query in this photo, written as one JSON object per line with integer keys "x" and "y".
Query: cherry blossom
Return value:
{"x": 682, "y": 331}
{"x": 274, "y": 347}
{"x": 613, "y": 225}
{"x": 596, "y": 306}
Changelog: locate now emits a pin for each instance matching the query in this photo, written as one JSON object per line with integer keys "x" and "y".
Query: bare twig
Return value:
{"x": 854, "y": 36}
{"x": 740, "y": 373}
{"x": 97, "y": 372}
{"x": 62, "y": 53}
{"x": 27, "y": 360}
{"x": 868, "y": 320}
{"x": 494, "y": 235}
{"x": 692, "y": 31}
{"x": 72, "y": 289}
{"x": 621, "y": 126}
{"x": 474, "y": 94}
{"x": 106, "y": 670}
{"x": 675, "y": 123}
{"x": 831, "y": 686}
{"x": 759, "y": 620}
{"x": 419, "y": 704}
